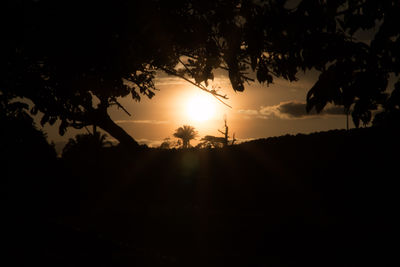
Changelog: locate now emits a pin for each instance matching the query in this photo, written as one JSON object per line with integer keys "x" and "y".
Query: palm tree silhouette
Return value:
{"x": 186, "y": 133}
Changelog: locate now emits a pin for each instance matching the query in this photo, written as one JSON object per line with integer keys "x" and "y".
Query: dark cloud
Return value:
{"x": 297, "y": 110}
{"x": 292, "y": 109}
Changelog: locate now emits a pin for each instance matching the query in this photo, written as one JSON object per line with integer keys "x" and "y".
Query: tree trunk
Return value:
{"x": 108, "y": 125}
{"x": 185, "y": 143}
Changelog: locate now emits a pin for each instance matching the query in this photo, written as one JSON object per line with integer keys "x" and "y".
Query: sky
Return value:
{"x": 260, "y": 111}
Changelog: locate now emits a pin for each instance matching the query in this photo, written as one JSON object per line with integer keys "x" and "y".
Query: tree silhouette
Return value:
{"x": 226, "y": 134}
{"x": 168, "y": 144}
{"x": 74, "y": 68}
{"x": 74, "y": 59}
{"x": 186, "y": 133}
{"x": 19, "y": 135}
{"x": 354, "y": 72}
{"x": 85, "y": 145}
{"x": 209, "y": 141}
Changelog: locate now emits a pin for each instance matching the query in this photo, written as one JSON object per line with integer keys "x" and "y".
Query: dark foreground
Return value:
{"x": 326, "y": 199}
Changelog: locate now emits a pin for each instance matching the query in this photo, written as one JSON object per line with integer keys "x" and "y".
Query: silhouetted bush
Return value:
{"x": 27, "y": 159}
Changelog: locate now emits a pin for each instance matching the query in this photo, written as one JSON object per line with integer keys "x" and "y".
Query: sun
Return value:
{"x": 200, "y": 107}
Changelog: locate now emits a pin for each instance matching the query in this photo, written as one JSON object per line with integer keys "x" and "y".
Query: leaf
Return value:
{"x": 237, "y": 85}
{"x": 264, "y": 76}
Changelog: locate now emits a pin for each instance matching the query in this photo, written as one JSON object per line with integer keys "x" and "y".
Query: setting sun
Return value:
{"x": 200, "y": 107}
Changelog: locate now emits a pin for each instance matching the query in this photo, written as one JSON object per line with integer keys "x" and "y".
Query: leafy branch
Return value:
{"x": 213, "y": 92}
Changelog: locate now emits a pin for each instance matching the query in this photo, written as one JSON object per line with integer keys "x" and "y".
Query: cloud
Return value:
{"x": 248, "y": 112}
{"x": 141, "y": 121}
{"x": 291, "y": 110}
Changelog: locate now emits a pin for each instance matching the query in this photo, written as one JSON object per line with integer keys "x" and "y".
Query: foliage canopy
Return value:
{"x": 74, "y": 59}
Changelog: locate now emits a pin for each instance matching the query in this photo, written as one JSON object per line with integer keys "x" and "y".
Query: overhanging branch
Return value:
{"x": 200, "y": 86}
{"x": 120, "y": 106}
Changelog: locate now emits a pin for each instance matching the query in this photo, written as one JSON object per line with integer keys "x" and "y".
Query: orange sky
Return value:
{"x": 255, "y": 113}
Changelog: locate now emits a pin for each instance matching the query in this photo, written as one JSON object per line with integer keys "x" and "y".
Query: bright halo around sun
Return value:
{"x": 201, "y": 107}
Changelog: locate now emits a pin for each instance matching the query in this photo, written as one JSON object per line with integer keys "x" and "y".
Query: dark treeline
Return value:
{"x": 323, "y": 199}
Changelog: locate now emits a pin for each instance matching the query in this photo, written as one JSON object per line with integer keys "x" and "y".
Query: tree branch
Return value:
{"x": 186, "y": 67}
{"x": 212, "y": 92}
{"x": 120, "y": 106}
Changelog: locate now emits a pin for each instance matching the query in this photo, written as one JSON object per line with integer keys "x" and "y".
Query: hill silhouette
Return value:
{"x": 321, "y": 199}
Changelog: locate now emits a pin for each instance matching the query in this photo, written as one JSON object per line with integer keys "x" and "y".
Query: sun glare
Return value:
{"x": 200, "y": 107}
